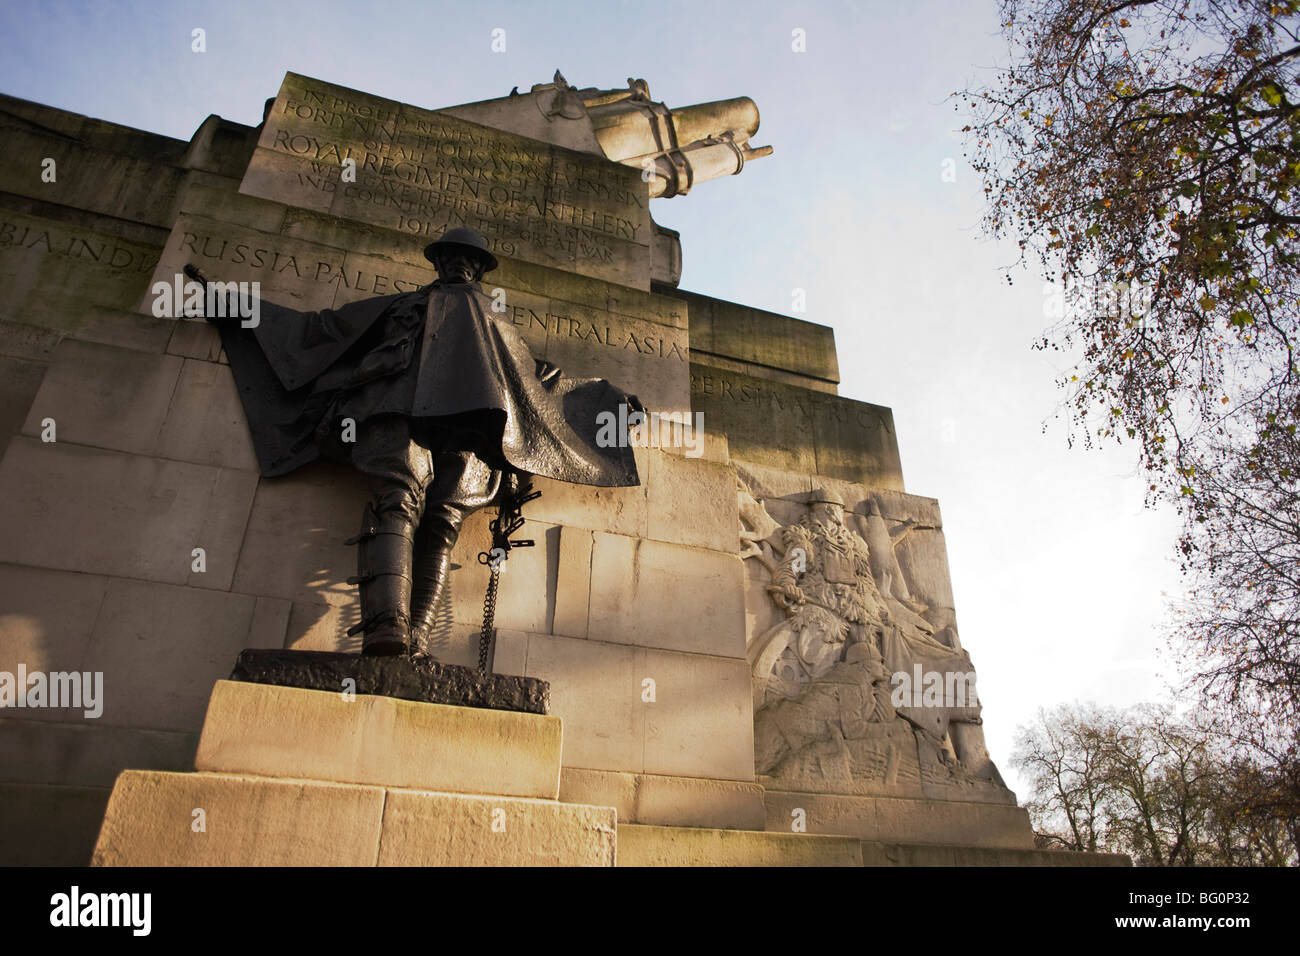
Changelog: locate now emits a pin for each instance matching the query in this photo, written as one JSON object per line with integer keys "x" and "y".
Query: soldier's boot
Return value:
{"x": 434, "y": 544}
{"x": 384, "y": 579}
{"x": 461, "y": 485}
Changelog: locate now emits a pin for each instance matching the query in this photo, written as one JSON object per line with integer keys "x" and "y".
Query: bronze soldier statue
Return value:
{"x": 435, "y": 397}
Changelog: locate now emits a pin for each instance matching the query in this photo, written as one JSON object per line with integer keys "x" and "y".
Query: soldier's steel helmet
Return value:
{"x": 825, "y": 496}
{"x": 463, "y": 239}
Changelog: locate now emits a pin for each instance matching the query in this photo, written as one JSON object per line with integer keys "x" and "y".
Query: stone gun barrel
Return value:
{"x": 686, "y": 146}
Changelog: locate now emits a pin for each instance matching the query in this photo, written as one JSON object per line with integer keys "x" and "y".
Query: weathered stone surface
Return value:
{"x": 280, "y": 731}
{"x": 398, "y": 676}
{"x": 247, "y": 821}
{"x": 661, "y": 800}
{"x": 86, "y": 753}
{"x": 161, "y": 648}
{"x": 573, "y": 583}
{"x": 596, "y": 690}
{"x": 123, "y": 329}
{"x": 798, "y": 430}
{"x": 654, "y": 594}
{"x": 901, "y": 820}
{"x": 97, "y": 175}
{"x": 903, "y": 854}
{"x": 434, "y": 829}
{"x": 194, "y": 338}
{"x": 105, "y": 397}
{"x": 21, "y": 340}
{"x": 697, "y": 724}
{"x": 270, "y": 622}
{"x": 532, "y": 201}
{"x": 49, "y": 825}
{"x": 761, "y": 338}
{"x": 52, "y": 272}
{"x": 686, "y": 846}
{"x": 46, "y": 623}
{"x": 261, "y": 821}
{"x": 700, "y": 723}
{"x": 75, "y": 508}
{"x": 615, "y": 510}
{"x": 205, "y": 421}
{"x": 692, "y": 502}
{"x": 294, "y": 547}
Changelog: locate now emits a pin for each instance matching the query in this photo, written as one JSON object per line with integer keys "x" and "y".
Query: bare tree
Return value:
{"x": 1167, "y": 790}
{"x": 1146, "y": 156}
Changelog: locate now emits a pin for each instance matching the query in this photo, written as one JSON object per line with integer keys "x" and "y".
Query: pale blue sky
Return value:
{"x": 1058, "y": 571}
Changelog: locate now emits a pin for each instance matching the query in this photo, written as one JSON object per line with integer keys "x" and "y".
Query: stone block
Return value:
{"x": 903, "y": 854}
{"x": 270, "y": 622}
{"x": 525, "y": 204}
{"x": 261, "y": 821}
{"x": 759, "y": 337}
{"x": 596, "y": 690}
{"x": 49, "y": 825}
{"x": 701, "y": 721}
{"x": 654, "y": 594}
{"x": 84, "y": 509}
{"x": 903, "y": 820}
{"x": 294, "y": 547}
{"x": 20, "y": 340}
{"x": 684, "y": 846}
{"x": 265, "y": 730}
{"x": 763, "y": 482}
{"x": 86, "y": 753}
{"x": 46, "y": 619}
{"x": 645, "y": 358}
{"x": 923, "y": 559}
{"x": 125, "y": 329}
{"x": 247, "y": 821}
{"x": 94, "y": 176}
{"x": 697, "y": 725}
{"x": 691, "y": 501}
{"x": 106, "y": 397}
{"x": 161, "y": 648}
{"x": 434, "y": 829}
{"x": 615, "y": 510}
{"x": 669, "y": 801}
{"x": 205, "y": 420}
{"x": 228, "y": 205}
{"x": 798, "y": 430}
{"x": 196, "y": 339}
{"x": 573, "y": 583}
{"x": 52, "y": 272}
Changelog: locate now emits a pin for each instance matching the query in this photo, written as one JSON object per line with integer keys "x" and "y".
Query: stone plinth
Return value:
{"x": 293, "y": 777}
{"x": 289, "y": 732}
{"x": 260, "y": 821}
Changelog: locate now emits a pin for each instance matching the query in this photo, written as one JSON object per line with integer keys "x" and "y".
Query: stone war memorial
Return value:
{"x": 373, "y": 495}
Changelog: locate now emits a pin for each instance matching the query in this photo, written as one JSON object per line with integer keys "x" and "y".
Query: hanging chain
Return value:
{"x": 509, "y": 519}
{"x": 489, "y": 615}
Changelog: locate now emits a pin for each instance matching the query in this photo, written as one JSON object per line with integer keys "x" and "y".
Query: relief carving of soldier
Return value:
{"x": 437, "y": 400}
{"x": 850, "y": 622}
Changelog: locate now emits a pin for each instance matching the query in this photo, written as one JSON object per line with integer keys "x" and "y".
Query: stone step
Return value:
{"x": 270, "y": 731}
{"x": 901, "y": 820}
{"x": 640, "y": 845}
{"x": 214, "y": 819}
{"x": 690, "y": 846}
{"x": 924, "y": 854}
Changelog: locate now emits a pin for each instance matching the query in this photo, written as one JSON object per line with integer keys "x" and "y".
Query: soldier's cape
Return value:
{"x": 290, "y": 368}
